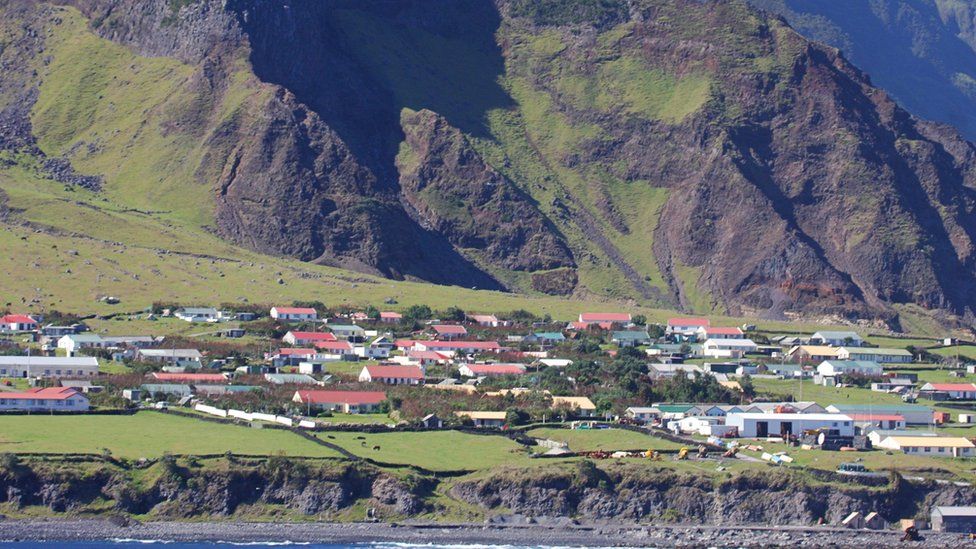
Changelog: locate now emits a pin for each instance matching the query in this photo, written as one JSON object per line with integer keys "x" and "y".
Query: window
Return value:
{"x": 927, "y": 449}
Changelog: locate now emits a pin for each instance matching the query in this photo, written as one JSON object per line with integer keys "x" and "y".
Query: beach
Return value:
{"x": 521, "y": 532}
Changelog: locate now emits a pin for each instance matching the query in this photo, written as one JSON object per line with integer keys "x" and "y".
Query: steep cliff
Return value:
{"x": 697, "y": 155}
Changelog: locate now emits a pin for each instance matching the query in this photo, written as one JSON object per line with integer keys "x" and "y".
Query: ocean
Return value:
{"x": 149, "y": 544}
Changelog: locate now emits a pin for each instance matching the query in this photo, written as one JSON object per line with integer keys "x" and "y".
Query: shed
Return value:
{"x": 954, "y": 519}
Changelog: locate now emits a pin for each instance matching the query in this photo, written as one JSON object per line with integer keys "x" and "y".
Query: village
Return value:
{"x": 683, "y": 390}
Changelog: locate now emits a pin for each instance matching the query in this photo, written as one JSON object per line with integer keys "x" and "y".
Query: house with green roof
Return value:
{"x": 630, "y": 338}
{"x": 874, "y": 354}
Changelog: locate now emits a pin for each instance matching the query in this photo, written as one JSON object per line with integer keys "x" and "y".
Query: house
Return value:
{"x": 199, "y": 314}
{"x": 947, "y": 518}
{"x": 301, "y": 339}
{"x": 17, "y": 323}
{"x": 233, "y": 333}
{"x": 581, "y": 406}
{"x": 487, "y": 321}
{"x": 659, "y": 371}
{"x": 955, "y": 391}
{"x": 54, "y": 332}
{"x": 392, "y": 375}
{"x": 630, "y": 338}
{"x": 348, "y": 331}
{"x": 348, "y": 402}
{"x": 676, "y": 411}
{"x": 186, "y": 358}
{"x": 707, "y": 332}
{"x": 422, "y": 358}
{"x": 378, "y": 348}
{"x": 47, "y": 366}
{"x": 604, "y": 318}
{"x": 930, "y": 446}
{"x": 135, "y": 342}
{"x": 48, "y": 399}
{"x": 762, "y": 425}
{"x": 449, "y": 331}
{"x": 804, "y": 407}
{"x": 686, "y": 326}
{"x": 188, "y": 377}
{"x": 294, "y": 314}
{"x": 431, "y": 421}
{"x": 812, "y": 353}
{"x": 73, "y": 343}
{"x": 837, "y": 339}
{"x": 914, "y": 414}
{"x": 728, "y": 348}
{"x": 163, "y": 390}
{"x": 544, "y": 339}
{"x": 877, "y": 435}
{"x": 83, "y": 385}
{"x": 867, "y": 421}
{"x": 224, "y": 389}
{"x": 697, "y": 425}
{"x": 555, "y": 362}
{"x": 489, "y": 370}
{"x": 874, "y": 354}
{"x": 829, "y": 371}
{"x": 341, "y": 349}
{"x": 643, "y": 414}
{"x": 892, "y": 385}
{"x": 290, "y": 379}
{"x": 484, "y": 419}
{"x": 466, "y": 347}
{"x": 389, "y": 317}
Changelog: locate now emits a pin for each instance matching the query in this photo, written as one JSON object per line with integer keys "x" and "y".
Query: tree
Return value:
{"x": 639, "y": 320}
{"x": 748, "y": 389}
{"x": 417, "y": 312}
{"x": 372, "y": 312}
{"x": 454, "y": 314}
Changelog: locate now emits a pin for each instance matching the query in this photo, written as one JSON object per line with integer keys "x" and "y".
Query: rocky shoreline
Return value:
{"x": 556, "y": 533}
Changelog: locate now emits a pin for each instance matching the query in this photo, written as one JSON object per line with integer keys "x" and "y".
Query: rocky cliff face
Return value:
{"x": 688, "y": 154}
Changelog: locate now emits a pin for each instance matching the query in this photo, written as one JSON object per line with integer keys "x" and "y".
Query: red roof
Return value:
{"x": 427, "y": 355}
{"x": 390, "y": 314}
{"x": 953, "y": 386}
{"x": 876, "y": 417}
{"x": 333, "y": 345}
{"x": 404, "y": 343}
{"x": 688, "y": 321}
{"x": 18, "y": 319}
{"x": 402, "y": 372}
{"x": 295, "y": 310}
{"x": 723, "y": 331}
{"x": 342, "y": 397}
{"x": 449, "y": 329}
{"x": 288, "y": 351}
{"x": 47, "y": 393}
{"x": 484, "y": 318}
{"x": 604, "y": 317}
{"x": 167, "y": 376}
{"x": 313, "y": 336}
{"x": 486, "y": 345}
{"x": 496, "y": 369}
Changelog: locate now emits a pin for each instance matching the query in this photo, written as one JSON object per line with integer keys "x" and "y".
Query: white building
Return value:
{"x": 186, "y": 358}
{"x": 686, "y": 326}
{"x": 200, "y": 314}
{"x": 837, "y": 339}
{"x": 47, "y": 366}
{"x": 874, "y": 354}
{"x": 642, "y": 413}
{"x": 728, "y": 348}
{"x": 930, "y": 446}
{"x": 766, "y": 425}
{"x": 392, "y": 375}
{"x": 297, "y": 314}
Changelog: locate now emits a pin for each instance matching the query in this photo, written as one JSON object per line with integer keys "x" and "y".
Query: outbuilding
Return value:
{"x": 947, "y": 518}
{"x": 753, "y": 425}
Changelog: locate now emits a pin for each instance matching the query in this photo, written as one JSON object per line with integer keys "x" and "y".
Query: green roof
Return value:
{"x": 877, "y": 351}
{"x": 674, "y": 408}
{"x": 631, "y": 334}
{"x": 879, "y": 407}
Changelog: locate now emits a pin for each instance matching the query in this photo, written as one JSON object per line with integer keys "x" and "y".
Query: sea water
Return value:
{"x": 151, "y": 544}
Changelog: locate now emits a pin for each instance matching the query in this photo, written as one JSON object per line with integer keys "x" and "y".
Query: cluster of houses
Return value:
{"x": 885, "y": 426}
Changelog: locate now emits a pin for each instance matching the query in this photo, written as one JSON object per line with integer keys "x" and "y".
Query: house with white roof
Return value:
{"x": 762, "y": 425}
{"x": 875, "y": 354}
{"x": 48, "y": 366}
{"x": 829, "y": 371}
{"x": 728, "y": 348}
{"x": 837, "y": 339}
{"x": 686, "y": 326}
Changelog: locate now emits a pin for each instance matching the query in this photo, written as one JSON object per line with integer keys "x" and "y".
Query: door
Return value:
{"x": 786, "y": 428}
{"x": 762, "y": 428}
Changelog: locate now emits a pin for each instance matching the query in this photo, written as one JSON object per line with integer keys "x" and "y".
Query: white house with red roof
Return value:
{"x": 48, "y": 399}
{"x": 686, "y": 326}
{"x": 294, "y": 314}
{"x": 449, "y": 331}
{"x": 392, "y": 375}
{"x": 866, "y": 420}
{"x": 604, "y": 318}
{"x": 955, "y": 391}
{"x": 467, "y": 347}
{"x": 422, "y": 358}
{"x": 390, "y": 317}
{"x": 349, "y": 402}
{"x": 715, "y": 332}
{"x": 297, "y": 338}
{"x": 17, "y": 323}
{"x": 489, "y": 370}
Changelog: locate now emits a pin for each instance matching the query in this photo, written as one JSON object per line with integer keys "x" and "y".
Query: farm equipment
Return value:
{"x": 702, "y": 451}
{"x": 652, "y": 455}
{"x": 682, "y": 454}
{"x": 731, "y": 452}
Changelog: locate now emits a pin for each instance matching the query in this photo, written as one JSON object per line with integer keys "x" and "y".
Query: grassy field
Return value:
{"x": 434, "y": 450}
{"x": 146, "y": 434}
{"x": 583, "y": 440}
{"x": 807, "y": 390}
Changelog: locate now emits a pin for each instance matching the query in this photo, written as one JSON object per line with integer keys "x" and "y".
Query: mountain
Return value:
{"x": 683, "y": 154}
{"x": 922, "y": 52}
